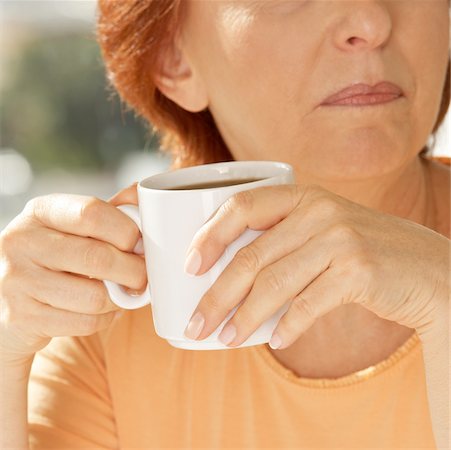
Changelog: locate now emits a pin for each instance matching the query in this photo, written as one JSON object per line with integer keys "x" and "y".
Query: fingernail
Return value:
{"x": 275, "y": 341}
{"x": 193, "y": 262}
{"x": 139, "y": 247}
{"x": 134, "y": 292}
{"x": 195, "y": 326}
{"x": 227, "y": 334}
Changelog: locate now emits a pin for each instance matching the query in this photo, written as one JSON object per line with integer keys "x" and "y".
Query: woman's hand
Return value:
{"x": 320, "y": 251}
{"x": 52, "y": 258}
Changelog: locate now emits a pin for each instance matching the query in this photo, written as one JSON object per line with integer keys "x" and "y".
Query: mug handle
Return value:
{"x": 115, "y": 291}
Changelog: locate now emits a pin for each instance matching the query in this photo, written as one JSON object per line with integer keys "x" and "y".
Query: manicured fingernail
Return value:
{"x": 193, "y": 262}
{"x": 275, "y": 341}
{"x": 195, "y": 326}
{"x": 139, "y": 248}
{"x": 134, "y": 292}
{"x": 227, "y": 334}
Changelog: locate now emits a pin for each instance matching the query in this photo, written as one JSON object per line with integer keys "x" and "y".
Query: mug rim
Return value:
{"x": 284, "y": 168}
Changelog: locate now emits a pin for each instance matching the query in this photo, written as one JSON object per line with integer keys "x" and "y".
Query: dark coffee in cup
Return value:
{"x": 173, "y": 207}
{"x": 214, "y": 184}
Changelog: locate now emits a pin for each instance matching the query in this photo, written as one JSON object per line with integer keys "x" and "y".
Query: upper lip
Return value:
{"x": 383, "y": 87}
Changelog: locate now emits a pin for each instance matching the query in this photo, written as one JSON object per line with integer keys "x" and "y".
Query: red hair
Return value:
{"x": 132, "y": 35}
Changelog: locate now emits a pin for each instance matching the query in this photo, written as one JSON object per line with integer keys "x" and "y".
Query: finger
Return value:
{"x": 316, "y": 300}
{"x": 273, "y": 287}
{"x": 235, "y": 281}
{"x": 87, "y": 256}
{"x": 245, "y": 209}
{"x": 85, "y": 216}
{"x": 52, "y": 322}
{"x": 128, "y": 195}
{"x": 70, "y": 292}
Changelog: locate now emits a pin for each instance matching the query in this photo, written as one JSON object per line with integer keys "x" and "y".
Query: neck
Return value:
{"x": 404, "y": 192}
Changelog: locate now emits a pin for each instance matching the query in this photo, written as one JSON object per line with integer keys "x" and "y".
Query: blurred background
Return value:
{"x": 59, "y": 131}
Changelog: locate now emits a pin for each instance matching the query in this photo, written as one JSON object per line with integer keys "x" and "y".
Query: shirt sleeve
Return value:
{"x": 69, "y": 403}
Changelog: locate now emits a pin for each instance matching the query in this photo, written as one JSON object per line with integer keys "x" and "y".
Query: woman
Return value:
{"x": 361, "y": 357}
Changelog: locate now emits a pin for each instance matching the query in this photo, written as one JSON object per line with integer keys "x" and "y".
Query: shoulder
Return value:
{"x": 440, "y": 171}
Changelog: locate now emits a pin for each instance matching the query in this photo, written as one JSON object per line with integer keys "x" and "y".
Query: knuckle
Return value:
{"x": 97, "y": 257}
{"x": 38, "y": 207}
{"x": 16, "y": 239}
{"x": 32, "y": 205}
{"x": 97, "y": 299}
{"x": 247, "y": 259}
{"x": 326, "y": 205}
{"x": 8, "y": 241}
{"x": 297, "y": 192}
{"x": 91, "y": 211}
{"x": 364, "y": 267}
{"x": 344, "y": 233}
{"x": 241, "y": 201}
{"x": 88, "y": 323}
{"x": 7, "y": 284}
{"x": 305, "y": 309}
{"x": 12, "y": 314}
{"x": 272, "y": 280}
{"x": 14, "y": 236}
{"x": 246, "y": 318}
{"x": 129, "y": 238}
{"x": 212, "y": 302}
{"x": 141, "y": 275}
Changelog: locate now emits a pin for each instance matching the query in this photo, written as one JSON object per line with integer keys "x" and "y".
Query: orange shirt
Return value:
{"x": 128, "y": 388}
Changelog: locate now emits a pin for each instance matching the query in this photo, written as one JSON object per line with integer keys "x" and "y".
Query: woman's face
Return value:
{"x": 266, "y": 66}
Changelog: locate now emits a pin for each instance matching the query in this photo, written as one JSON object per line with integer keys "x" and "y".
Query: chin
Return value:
{"x": 359, "y": 157}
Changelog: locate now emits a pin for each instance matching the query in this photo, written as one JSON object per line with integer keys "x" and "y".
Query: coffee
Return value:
{"x": 214, "y": 184}
{"x": 168, "y": 221}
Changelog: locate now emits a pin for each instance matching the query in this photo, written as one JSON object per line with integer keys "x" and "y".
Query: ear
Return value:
{"x": 178, "y": 80}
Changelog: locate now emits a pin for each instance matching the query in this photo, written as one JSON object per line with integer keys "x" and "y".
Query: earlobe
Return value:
{"x": 179, "y": 82}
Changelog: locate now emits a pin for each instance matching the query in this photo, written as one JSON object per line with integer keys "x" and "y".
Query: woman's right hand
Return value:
{"x": 52, "y": 258}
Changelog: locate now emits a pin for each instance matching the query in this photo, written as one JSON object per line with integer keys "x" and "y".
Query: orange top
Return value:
{"x": 126, "y": 387}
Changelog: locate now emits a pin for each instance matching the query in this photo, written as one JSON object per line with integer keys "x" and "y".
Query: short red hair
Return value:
{"x": 132, "y": 35}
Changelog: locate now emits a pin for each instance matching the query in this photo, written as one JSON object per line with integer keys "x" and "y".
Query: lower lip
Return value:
{"x": 365, "y": 100}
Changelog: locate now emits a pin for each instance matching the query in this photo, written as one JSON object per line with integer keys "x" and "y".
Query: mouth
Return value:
{"x": 365, "y": 95}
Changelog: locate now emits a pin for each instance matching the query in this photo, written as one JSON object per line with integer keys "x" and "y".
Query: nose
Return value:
{"x": 363, "y": 25}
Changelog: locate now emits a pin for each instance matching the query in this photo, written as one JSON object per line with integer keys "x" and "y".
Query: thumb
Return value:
{"x": 128, "y": 195}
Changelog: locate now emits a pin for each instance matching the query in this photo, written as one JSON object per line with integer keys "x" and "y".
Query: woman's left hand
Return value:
{"x": 320, "y": 251}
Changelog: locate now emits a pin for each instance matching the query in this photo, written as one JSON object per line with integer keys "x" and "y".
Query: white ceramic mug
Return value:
{"x": 168, "y": 220}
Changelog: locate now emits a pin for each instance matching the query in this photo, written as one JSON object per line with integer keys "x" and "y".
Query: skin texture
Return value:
{"x": 58, "y": 293}
{"x": 227, "y": 46}
{"x": 60, "y": 290}
{"x": 262, "y": 68}
{"x": 365, "y": 154}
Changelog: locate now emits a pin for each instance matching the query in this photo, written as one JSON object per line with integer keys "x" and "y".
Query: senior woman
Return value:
{"x": 348, "y": 93}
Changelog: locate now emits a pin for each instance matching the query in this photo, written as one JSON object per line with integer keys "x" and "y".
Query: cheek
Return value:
{"x": 424, "y": 40}
{"x": 256, "y": 75}
{"x": 262, "y": 80}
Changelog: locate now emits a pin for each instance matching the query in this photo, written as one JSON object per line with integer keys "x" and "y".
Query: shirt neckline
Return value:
{"x": 404, "y": 350}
